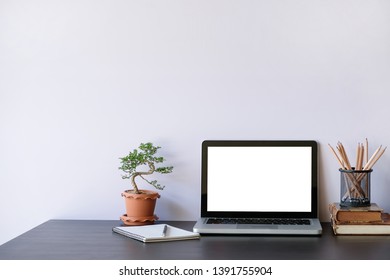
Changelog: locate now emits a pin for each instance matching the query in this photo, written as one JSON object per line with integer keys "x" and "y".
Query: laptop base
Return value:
{"x": 203, "y": 227}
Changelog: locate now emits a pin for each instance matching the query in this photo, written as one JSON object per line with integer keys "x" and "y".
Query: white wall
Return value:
{"x": 83, "y": 82}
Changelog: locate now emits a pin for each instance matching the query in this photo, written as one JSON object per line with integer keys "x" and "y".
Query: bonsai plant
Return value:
{"x": 140, "y": 203}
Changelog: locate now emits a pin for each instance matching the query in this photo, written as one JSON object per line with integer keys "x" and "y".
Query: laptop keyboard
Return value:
{"x": 258, "y": 221}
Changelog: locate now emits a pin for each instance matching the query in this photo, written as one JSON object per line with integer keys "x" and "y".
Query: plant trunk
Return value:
{"x": 133, "y": 183}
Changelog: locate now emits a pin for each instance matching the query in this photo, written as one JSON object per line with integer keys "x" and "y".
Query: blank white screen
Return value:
{"x": 266, "y": 179}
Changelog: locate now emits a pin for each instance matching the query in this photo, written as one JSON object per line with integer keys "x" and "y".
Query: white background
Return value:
{"x": 274, "y": 178}
{"x": 83, "y": 82}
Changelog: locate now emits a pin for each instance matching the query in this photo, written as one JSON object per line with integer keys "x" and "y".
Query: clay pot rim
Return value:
{"x": 145, "y": 194}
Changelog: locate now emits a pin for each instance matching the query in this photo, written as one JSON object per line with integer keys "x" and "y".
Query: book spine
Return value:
{"x": 333, "y": 211}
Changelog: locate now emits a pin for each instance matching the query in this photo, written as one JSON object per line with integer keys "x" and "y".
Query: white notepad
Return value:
{"x": 156, "y": 233}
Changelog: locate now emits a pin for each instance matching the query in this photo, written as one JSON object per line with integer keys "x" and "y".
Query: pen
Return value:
{"x": 164, "y": 230}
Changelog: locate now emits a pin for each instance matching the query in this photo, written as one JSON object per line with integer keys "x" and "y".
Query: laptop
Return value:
{"x": 259, "y": 187}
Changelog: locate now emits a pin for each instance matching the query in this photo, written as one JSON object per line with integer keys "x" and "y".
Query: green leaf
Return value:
{"x": 143, "y": 156}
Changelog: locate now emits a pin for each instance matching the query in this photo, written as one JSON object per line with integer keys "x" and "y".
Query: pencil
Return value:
{"x": 378, "y": 156}
{"x": 338, "y": 159}
{"x": 366, "y": 159}
{"x": 370, "y": 162}
{"x": 164, "y": 231}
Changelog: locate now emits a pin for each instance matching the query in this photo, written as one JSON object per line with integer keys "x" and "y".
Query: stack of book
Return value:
{"x": 370, "y": 220}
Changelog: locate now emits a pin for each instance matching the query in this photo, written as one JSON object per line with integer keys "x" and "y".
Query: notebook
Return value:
{"x": 259, "y": 187}
{"x": 156, "y": 233}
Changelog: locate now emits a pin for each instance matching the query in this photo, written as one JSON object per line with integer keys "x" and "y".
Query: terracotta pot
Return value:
{"x": 140, "y": 207}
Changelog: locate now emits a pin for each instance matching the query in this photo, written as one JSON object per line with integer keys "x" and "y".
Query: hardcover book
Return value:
{"x": 370, "y": 228}
{"x": 366, "y": 214}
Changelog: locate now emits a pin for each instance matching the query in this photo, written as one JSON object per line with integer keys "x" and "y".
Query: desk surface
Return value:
{"x": 92, "y": 240}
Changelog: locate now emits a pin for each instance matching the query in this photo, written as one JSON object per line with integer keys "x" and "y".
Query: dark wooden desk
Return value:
{"x": 92, "y": 240}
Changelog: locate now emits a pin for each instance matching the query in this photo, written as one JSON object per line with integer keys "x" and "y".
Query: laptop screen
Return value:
{"x": 259, "y": 178}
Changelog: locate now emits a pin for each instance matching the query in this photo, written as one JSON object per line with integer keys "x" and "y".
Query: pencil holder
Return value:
{"x": 355, "y": 188}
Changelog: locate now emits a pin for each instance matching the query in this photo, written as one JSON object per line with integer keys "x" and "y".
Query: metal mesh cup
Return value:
{"x": 355, "y": 187}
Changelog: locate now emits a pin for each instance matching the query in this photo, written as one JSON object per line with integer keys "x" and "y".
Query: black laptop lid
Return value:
{"x": 270, "y": 179}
